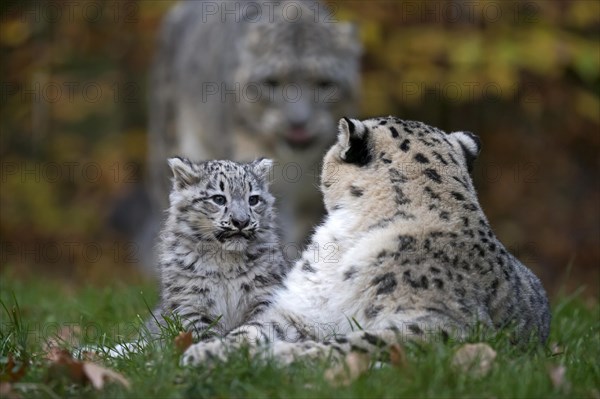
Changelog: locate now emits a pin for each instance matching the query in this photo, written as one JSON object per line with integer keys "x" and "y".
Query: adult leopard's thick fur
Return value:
{"x": 220, "y": 256}
{"x": 406, "y": 251}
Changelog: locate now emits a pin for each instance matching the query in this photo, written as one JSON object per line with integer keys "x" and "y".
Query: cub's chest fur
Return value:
{"x": 220, "y": 255}
{"x": 231, "y": 304}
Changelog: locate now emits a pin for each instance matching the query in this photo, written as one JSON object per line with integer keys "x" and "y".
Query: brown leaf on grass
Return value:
{"x": 6, "y": 391}
{"x": 56, "y": 352}
{"x": 474, "y": 359}
{"x": 355, "y": 364}
{"x": 11, "y": 372}
{"x": 398, "y": 356}
{"x": 90, "y": 356}
{"x": 65, "y": 337}
{"x": 183, "y": 341}
{"x": 56, "y": 355}
{"x": 63, "y": 364}
{"x": 5, "y": 388}
{"x": 81, "y": 372}
{"x": 557, "y": 376}
{"x": 99, "y": 375}
{"x": 556, "y": 349}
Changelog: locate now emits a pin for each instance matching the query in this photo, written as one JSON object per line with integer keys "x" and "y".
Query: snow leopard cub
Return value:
{"x": 219, "y": 254}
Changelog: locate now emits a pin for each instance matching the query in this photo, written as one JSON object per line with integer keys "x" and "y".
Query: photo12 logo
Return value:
{"x": 68, "y": 11}
{"x": 69, "y": 172}
{"x": 55, "y": 252}
{"x": 467, "y": 92}
{"x": 40, "y": 90}
{"x": 270, "y": 91}
{"x": 267, "y": 11}
{"x": 471, "y": 12}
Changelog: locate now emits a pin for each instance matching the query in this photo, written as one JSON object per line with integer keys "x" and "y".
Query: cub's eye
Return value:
{"x": 253, "y": 200}
{"x": 219, "y": 199}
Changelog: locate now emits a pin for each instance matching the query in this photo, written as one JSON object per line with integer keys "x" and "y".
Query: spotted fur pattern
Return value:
{"x": 220, "y": 258}
{"x": 405, "y": 252}
{"x": 222, "y": 84}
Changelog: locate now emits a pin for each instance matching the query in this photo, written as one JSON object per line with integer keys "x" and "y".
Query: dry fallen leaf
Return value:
{"x": 557, "y": 376}
{"x": 56, "y": 355}
{"x": 183, "y": 341}
{"x": 99, "y": 375}
{"x": 12, "y": 373}
{"x": 556, "y": 349}
{"x": 67, "y": 336}
{"x": 4, "y": 388}
{"x": 62, "y": 363}
{"x": 6, "y": 391}
{"x": 90, "y": 356}
{"x": 474, "y": 359}
{"x": 355, "y": 364}
{"x": 398, "y": 356}
{"x": 56, "y": 352}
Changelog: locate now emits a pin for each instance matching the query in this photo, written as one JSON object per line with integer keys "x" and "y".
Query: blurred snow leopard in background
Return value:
{"x": 240, "y": 80}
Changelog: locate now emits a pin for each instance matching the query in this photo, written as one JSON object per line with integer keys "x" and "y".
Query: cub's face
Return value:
{"x": 393, "y": 162}
{"x": 297, "y": 79}
{"x": 221, "y": 201}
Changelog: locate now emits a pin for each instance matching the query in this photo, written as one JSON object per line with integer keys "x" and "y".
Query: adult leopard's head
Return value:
{"x": 384, "y": 166}
{"x": 298, "y": 73}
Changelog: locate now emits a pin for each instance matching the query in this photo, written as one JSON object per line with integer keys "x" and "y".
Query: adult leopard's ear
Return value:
{"x": 347, "y": 37}
{"x": 183, "y": 172}
{"x": 353, "y": 137}
{"x": 262, "y": 168}
{"x": 471, "y": 146}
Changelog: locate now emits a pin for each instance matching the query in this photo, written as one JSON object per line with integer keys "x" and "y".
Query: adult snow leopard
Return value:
{"x": 405, "y": 251}
{"x": 220, "y": 257}
{"x": 239, "y": 80}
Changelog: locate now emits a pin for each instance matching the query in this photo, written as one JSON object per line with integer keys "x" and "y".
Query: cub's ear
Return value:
{"x": 262, "y": 168}
{"x": 471, "y": 146}
{"x": 353, "y": 137}
{"x": 183, "y": 172}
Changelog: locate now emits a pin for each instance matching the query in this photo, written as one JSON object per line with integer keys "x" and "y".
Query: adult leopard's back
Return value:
{"x": 426, "y": 246}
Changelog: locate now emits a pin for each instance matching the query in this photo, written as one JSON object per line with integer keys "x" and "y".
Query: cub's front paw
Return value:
{"x": 203, "y": 352}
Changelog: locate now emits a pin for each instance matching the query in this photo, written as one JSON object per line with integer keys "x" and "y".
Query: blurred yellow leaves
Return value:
{"x": 29, "y": 200}
{"x": 73, "y": 91}
{"x": 371, "y": 34}
{"x": 588, "y": 106}
{"x": 584, "y": 13}
{"x": 467, "y": 50}
{"x": 437, "y": 46}
{"x": 14, "y": 32}
{"x": 375, "y": 98}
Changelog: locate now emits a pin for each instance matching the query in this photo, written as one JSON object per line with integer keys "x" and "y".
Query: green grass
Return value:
{"x": 111, "y": 314}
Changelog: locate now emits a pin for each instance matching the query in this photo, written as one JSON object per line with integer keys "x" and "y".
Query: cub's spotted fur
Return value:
{"x": 414, "y": 255}
{"x": 220, "y": 258}
{"x": 221, "y": 84}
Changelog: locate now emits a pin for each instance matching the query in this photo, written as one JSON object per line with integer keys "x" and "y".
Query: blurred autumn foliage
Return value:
{"x": 523, "y": 75}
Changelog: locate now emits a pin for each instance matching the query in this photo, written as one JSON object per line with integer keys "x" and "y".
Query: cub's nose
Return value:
{"x": 240, "y": 223}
